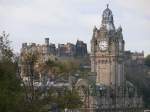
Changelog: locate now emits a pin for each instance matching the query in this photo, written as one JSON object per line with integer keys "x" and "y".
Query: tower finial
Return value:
{"x": 107, "y": 5}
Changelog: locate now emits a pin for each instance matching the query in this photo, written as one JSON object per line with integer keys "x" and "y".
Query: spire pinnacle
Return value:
{"x": 107, "y": 5}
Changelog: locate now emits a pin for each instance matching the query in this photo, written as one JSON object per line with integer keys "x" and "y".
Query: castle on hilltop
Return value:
{"x": 63, "y": 50}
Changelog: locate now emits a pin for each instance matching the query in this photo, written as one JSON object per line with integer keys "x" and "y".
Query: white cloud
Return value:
{"x": 138, "y": 6}
{"x": 67, "y": 20}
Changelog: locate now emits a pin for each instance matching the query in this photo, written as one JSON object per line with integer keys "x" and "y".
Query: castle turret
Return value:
{"x": 47, "y": 41}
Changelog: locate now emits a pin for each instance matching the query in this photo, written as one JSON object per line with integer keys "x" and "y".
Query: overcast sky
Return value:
{"x": 68, "y": 20}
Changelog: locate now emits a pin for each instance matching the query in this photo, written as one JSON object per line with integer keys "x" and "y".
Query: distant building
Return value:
{"x": 44, "y": 52}
{"x": 44, "y": 49}
{"x": 81, "y": 49}
{"x": 66, "y": 50}
{"x": 71, "y": 50}
{"x": 136, "y": 58}
{"x": 63, "y": 50}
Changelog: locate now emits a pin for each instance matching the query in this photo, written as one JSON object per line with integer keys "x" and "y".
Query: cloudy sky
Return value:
{"x": 68, "y": 20}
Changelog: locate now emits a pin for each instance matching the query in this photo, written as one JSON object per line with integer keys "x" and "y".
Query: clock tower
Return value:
{"x": 107, "y": 52}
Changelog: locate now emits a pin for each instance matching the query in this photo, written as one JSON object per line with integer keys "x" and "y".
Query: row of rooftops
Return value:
{"x": 135, "y": 55}
{"x": 136, "y": 58}
{"x": 68, "y": 49}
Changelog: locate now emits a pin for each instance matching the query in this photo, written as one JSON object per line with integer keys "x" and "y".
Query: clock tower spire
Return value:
{"x": 107, "y": 49}
{"x": 107, "y": 19}
{"x": 112, "y": 93}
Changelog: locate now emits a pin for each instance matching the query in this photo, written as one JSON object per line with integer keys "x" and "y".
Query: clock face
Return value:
{"x": 103, "y": 45}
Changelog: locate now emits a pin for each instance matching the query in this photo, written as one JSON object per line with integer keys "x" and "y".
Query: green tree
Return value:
{"x": 11, "y": 93}
{"x": 71, "y": 100}
{"x": 60, "y": 68}
{"x": 138, "y": 75}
